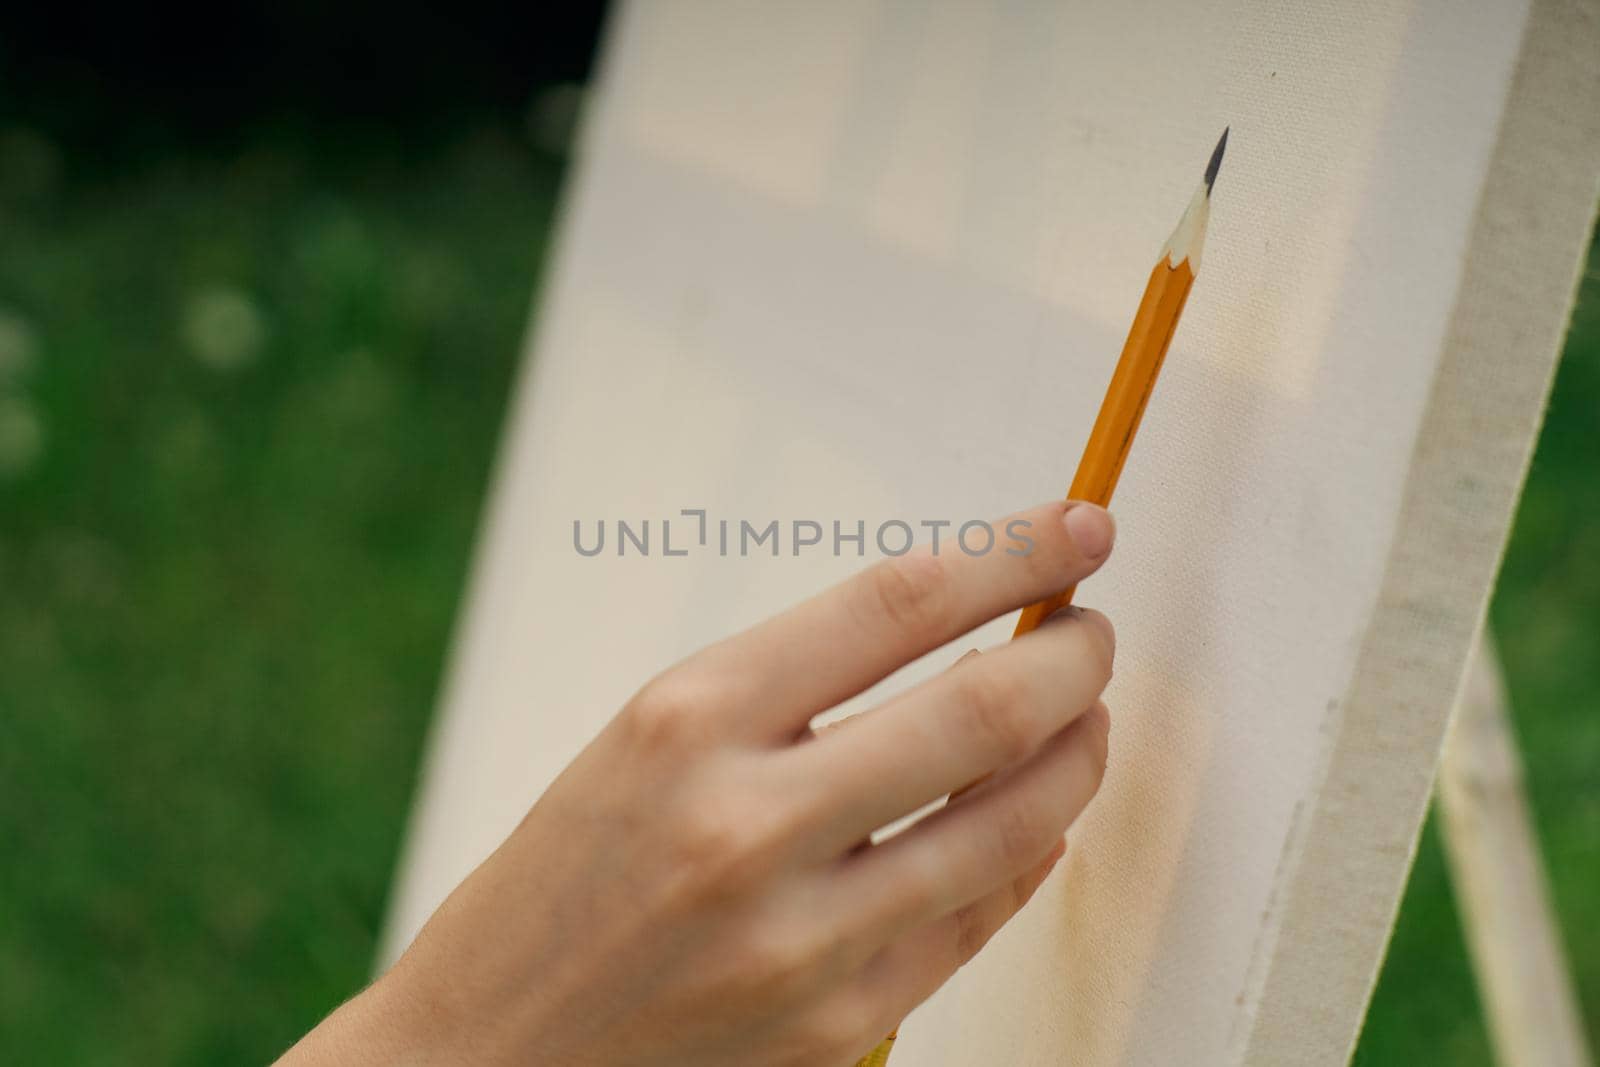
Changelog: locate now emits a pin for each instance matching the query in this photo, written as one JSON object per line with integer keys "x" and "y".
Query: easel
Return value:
{"x": 1493, "y": 853}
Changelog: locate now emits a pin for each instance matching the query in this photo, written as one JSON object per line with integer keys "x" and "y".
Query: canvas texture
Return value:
{"x": 845, "y": 261}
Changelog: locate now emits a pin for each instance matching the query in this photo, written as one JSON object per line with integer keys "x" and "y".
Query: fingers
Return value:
{"x": 984, "y": 714}
{"x": 910, "y": 970}
{"x": 849, "y": 720}
{"x": 852, "y": 635}
{"x": 965, "y": 851}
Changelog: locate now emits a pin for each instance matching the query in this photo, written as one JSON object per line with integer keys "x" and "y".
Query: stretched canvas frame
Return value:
{"x": 872, "y": 261}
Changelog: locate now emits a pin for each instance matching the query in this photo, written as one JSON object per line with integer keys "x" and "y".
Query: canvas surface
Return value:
{"x": 873, "y": 261}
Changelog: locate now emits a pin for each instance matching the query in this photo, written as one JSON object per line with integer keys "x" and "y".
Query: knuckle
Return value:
{"x": 667, "y": 712}
{"x": 717, "y": 848}
{"x": 779, "y": 964}
{"x": 1054, "y": 559}
{"x": 919, "y": 890}
{"x": 972, "y": 933}
{"x": 1019, "y": 836}
{"x": 995, "y": 706}
{"x": 730, "y": 848}
{"x": 909, "y": 592}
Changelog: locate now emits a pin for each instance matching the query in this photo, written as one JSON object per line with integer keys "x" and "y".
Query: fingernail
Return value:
{"x": 1090, "y": 529}
{"x": 1073, "y": 613}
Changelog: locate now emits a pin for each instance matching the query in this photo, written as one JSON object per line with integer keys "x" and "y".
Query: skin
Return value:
{"x": 700, "y": 887}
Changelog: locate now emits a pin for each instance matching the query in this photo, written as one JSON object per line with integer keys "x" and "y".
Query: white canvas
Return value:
{"x": 852, "y": 260}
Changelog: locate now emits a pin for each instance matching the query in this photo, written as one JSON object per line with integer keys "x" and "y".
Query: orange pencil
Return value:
{"x": 1135, "y": 376}
{"x": 1131, "y": 384}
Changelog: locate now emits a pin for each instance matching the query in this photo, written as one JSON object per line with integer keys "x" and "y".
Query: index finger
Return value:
{"x": 847, "y": 638}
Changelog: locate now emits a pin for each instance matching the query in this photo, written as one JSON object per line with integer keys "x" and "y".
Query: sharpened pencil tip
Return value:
{"x": 1216, "y": 160}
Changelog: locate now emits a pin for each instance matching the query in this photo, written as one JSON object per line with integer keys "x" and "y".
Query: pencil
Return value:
{"x": 1135, "y": 377}
{"x": 1131, "y": 385}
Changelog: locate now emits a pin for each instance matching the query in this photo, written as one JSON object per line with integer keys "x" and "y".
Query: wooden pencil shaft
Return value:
{"x": 1126, "y": 397}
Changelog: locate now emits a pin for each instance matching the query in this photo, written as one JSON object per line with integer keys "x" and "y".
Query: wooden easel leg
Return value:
{"x": 1499, "y": 881}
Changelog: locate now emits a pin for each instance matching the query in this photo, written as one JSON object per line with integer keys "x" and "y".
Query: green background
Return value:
{"x": 248, "y": 405}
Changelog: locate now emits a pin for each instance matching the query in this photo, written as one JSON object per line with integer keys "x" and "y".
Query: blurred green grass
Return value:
{"x": 247, "y": 413}
{"x": 264, "y": 395}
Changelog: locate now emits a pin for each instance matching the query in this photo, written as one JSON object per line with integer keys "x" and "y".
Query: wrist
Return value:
{"x": 391, "y": 1021}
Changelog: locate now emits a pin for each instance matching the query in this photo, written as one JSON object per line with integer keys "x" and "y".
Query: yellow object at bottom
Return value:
{"x": 879, "y": 1056}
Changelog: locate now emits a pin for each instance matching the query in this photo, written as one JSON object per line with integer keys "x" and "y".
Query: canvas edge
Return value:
{"x": 1341, "y": 889}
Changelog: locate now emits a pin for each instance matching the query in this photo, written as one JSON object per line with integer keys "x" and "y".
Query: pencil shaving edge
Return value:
{"x": 1189, "y": 238}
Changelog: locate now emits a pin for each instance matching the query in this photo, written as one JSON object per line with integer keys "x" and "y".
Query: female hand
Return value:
{"x": 699, "y": 886}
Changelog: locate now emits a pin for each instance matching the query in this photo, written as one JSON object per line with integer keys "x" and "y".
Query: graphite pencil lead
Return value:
{"x": 1216, "y": 160}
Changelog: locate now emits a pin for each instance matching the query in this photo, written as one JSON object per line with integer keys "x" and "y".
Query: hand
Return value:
{"x": 699, "y": 886}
